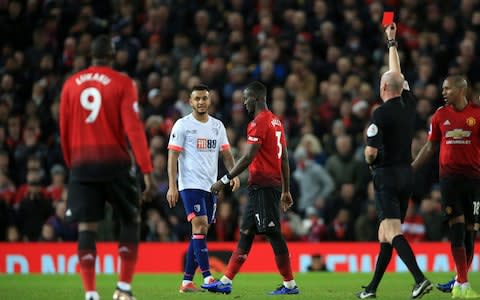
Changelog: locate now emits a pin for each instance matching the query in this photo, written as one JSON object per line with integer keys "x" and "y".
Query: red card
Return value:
{"x": 387, "y": 18}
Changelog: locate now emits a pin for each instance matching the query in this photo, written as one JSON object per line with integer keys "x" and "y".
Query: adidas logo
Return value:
{"x": 446, "y": 123}
{"x": 88, "y": 257}
{"x": 271, "y": 224}
{"x": 68, "y": 213}
{"x": 123, "y": 249}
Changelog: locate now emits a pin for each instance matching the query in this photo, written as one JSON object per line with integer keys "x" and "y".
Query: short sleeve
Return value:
{"x": 256, "y": 133}
{"x": 375, "y": 131}
{"x": 224, "y": 144}
{"x": 177, "y": 137}
{"x": 434, "y": 134}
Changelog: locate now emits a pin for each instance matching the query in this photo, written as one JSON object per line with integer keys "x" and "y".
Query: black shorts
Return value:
{"x": 393, "y": 188}
{"x": 262, "y": 211}
{"x": 86, "y": 199}
{"x": 461, "y": 196}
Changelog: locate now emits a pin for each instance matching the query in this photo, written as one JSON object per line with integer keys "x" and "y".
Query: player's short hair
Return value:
{"x": 258, "y": 90}
{"x": 102, "y": 48}
{"x": 458, "y": 81}
{"x": 200, "y": 87}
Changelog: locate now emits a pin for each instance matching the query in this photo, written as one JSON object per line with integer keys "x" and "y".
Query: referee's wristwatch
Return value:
{"x": 392, "y": 43}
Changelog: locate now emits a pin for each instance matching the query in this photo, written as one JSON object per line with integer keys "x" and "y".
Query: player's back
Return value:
{"x": 265, "y": 170}
{"x": 93, "y": 134}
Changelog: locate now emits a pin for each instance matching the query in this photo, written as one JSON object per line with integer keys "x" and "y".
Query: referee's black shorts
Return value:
{"x": 393, "y": 188}
{"x": 262, "y": 212}
{"x": 86, "y": 199}
{"x": 461, "y": 196}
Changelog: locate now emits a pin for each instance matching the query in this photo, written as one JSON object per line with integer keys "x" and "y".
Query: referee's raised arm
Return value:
{"x": 393, "y": 59}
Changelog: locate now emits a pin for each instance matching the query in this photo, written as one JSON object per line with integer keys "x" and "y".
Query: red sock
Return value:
{"x": 86, "y": 260}
{"x": 235, "y": 263}
{"x": 128, "y": 255}
{"x": 284, "y": 267}
{"x": 460, "y": 258}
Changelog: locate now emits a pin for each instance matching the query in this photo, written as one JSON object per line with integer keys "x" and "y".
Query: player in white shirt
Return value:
{"x": 195, "y": 143}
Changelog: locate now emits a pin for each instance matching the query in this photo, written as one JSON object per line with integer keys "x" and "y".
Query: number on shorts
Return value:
{"x": 476, "y": 208}
{"x": 278, "y": 134}
{"x": 91, "y": 100}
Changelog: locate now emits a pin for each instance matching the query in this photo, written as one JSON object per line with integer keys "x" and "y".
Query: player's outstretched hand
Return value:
{"x": 286, "y": 201}
{"x": 235, "y": 184}
{"x": 391, "y": 31}
{"x": 217, "y": 187}
{"x": 149, "y": 188}
{"x": 172, "y": 196}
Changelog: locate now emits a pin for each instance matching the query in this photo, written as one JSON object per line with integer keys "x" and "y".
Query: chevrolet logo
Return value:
{"x": 457, "y": 134}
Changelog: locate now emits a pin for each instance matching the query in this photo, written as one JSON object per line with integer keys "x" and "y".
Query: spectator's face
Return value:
{"x": 12, "y": 234}
{"x": 48, "y": 233}
{"x": 344, "y": 145}
{"x": 7, "y": 82}
{"x": 60, "y": 209}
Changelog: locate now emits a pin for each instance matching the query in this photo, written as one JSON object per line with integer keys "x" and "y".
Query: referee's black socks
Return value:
{"x": 406, "y": 254}
{"x": 382, "y": 263}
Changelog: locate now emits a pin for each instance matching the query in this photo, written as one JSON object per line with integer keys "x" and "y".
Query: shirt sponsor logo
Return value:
{"x": 252, "y": 139}
{"x": 206, "y": 144}
{"x": 458, "y": 136}
{"x": 471, "y": 121}
{"x": 446, "y": 123}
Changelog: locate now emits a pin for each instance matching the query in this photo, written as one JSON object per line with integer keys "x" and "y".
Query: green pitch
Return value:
{"x": 247, "y": 286}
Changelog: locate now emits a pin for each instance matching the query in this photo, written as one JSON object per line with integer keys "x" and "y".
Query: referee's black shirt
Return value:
{"x": 391, "y": 131}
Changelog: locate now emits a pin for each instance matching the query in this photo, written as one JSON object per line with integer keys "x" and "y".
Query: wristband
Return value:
{"x": 392, "y": 43}
{"x": 225, "y": 179}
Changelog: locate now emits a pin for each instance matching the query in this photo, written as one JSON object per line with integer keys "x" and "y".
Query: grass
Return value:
{"x": 247, "y": 286}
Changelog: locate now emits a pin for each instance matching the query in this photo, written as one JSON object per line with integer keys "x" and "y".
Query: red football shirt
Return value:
{"x": 98, "y": 110}
{"x": 458, "y": 133}
{"x": 266, "y": 168}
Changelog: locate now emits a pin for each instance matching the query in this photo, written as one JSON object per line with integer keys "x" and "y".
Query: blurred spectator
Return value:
{"x": 64, "y": 231}
{"x": 413, "y": 227}
{"x": 34, "y": 209}
{"x": 317, "y": 264}
{"x": 340, "y": 229}
{"x": 13, "y": 234}
{"x": 313, "y": 179}
{"x": 366, "y": 225}
{"x": 55, "y": 189}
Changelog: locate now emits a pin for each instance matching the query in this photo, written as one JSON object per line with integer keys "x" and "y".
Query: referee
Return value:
{"x": 388, "y": 152}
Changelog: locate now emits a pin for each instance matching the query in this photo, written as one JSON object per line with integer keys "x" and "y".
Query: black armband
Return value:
{"x": 392, "y": 43}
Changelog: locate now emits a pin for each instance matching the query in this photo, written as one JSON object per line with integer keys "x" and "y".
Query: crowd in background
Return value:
{"x": 321, "y": 61}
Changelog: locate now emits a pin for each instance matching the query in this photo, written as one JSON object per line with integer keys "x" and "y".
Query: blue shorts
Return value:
{"x": 199, "y": 203}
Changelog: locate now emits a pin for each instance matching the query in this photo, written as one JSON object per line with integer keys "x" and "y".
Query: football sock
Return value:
{"x": 382, "y": 263}
{"x": 124, "y": 286}
{"x": 239, "y": 256}
{"x": 201, "y": 253}
{"x": 284, "y": 267}
{"x": 406, "y": 254}
{"x": 457, "y": 242}
{"x": 290, "y": 284}
{"x": 128, "y": 253}
{"x": 190, "y": 263}
{"x": 87, "y": 254}
{"x": 470, "y": 246}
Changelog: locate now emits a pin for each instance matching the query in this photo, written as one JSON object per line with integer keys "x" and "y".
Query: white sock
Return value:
{"x": 290, "y": 284}
{"x": 124, "y": 286}
{"x": 92, "y": 295}
{"x": 225, "y": 280}
{"x": 457, "y": 283}
{"x": 465, "y": 285}
{"x": 207, "y": 279}
{"x": 185, "y": 282}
